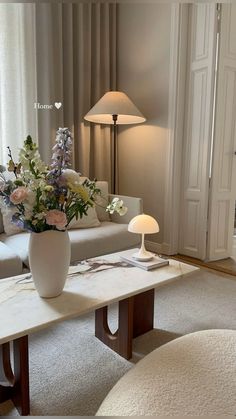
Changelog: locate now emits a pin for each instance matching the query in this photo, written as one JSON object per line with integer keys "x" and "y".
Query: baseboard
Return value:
{"x": 233, "y": 253}
{"x": 153, "y": 247}
{"x": 234, "y": 242}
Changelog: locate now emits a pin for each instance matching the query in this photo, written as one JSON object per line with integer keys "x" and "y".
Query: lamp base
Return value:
{"x": 143, "y": 256}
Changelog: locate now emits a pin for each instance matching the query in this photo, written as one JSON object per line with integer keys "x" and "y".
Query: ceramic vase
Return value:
{"x": 49, "y": 260}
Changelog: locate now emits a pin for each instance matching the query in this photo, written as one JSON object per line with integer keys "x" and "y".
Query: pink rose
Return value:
{"x": 18, "y": 195}
{"x": 56, "y": 218}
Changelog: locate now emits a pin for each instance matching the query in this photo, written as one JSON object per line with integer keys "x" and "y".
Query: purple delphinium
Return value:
{"x": 61, "y": 158}
{"x": 16, "y": 219}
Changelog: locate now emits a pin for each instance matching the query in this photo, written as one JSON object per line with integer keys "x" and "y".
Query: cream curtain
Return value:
{"x": 18, "y": 88}
{"x": 76, "y": 65}
{"x": 73, "y": 61}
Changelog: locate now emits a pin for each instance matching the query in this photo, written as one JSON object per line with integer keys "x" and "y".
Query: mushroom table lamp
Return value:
{"x": 143, "y": 224}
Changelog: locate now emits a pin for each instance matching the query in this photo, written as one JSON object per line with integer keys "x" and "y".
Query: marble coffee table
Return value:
{"x": 91, "y": 286}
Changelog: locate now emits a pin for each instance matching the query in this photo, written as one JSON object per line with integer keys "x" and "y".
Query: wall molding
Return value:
{"x": 222, "y": 185}
{"x": 177, "y": 81}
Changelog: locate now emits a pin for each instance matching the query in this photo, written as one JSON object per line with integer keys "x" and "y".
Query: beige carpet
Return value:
{"x": 71, "y": 372}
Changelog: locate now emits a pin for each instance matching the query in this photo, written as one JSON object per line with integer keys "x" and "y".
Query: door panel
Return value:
{"x": 222, "y": 190}
{"x": 197, "y": 138}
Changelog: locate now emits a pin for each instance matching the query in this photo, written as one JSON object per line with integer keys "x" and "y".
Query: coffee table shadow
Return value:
{"x": 146, "y": 343}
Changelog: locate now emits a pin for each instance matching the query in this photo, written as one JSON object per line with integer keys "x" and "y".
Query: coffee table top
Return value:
{"x": 90, "y": 285}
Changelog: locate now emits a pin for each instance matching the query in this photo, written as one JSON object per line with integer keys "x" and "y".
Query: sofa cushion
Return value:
{"x": 10, "y": 262}
{"x": 87, "y": 221}
{"x": 8, "y": 226}
{"x": 85, "y": 243}
{"x": 6, "y": 212}
{"x": 1, "y": 223}
{"x": 108, "y": 238}
{"x": 19, "y": 244}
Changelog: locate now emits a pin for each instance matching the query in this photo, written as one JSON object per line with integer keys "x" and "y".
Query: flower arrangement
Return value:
{"x": 48, "y": 198}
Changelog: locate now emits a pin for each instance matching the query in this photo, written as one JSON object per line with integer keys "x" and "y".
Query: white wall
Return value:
{"x": 143, "y": 73}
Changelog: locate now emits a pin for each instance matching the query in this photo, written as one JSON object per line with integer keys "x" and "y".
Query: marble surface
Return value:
{"x": 90, "y": 285}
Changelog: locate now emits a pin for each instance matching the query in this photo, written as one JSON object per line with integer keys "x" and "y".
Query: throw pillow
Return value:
{"x": 7, "y": 213}
{"x": 9, "y": 227}
{"x": 87, "y": 221}
{"x": 102, "y": 214}
{"x": 1, "y": 223}
{"x": 102, "y": 200}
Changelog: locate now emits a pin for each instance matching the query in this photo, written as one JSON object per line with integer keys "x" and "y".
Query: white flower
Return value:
{"x": 49, "y": 197}
{"x": 40, "y": 215}
{"x": 29, "y": 204}
{"x": 70, "y": 176}
{"x": 117, "y": 205}
{"x": 122, "y": 210}
{"x": 31, "y": 199}
{"x": 28, "y": 212}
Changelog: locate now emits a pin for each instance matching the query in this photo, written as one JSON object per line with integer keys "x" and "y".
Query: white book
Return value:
{"x": 155, "y": 262}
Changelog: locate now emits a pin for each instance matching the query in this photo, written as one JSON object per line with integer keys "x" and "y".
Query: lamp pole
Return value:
{"x": 114, "y": 104}
{"x": 114, "y": 168}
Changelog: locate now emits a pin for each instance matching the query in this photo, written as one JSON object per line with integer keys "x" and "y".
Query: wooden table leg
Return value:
{"x": 135, "y": 318}
{"x": 121, "y": 341}
{"x": 143, "y": 312}
{"x": 15, "y": 382}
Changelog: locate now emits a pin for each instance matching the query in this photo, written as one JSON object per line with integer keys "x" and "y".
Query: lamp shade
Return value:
{"x": 143, "y": 224}
{"x": 115, "y": 103}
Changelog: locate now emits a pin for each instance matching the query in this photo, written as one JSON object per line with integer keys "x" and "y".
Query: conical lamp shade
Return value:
{"x": 115, "y": 103}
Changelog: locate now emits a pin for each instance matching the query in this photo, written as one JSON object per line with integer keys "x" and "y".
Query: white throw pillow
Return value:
{"x": 9, "y": 227}
{"x": 7, "y": 212}
{"x": 102, "y": 214}
{"x": 102, "y": 200}
{"x": 1, "y": 223}
{"x": 87, "y": 221}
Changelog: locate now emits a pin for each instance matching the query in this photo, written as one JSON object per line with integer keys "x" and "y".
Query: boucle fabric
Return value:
{"x": 192, "y": 375}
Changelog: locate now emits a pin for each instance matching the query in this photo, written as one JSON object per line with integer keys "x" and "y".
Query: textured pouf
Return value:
{"x": 192, "y": 375}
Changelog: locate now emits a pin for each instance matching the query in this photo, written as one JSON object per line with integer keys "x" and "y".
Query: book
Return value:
{"x": 155, "y": 262}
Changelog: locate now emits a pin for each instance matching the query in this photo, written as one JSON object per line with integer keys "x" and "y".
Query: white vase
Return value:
{"x": 49, "y": 260}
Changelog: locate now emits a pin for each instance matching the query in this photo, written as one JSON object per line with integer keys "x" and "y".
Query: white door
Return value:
{"x": 223, "y": 182}
{"x": 197, "y": 138}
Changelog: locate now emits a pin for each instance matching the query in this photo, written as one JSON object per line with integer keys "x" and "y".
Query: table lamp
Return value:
{"x": 114, "y": 108}
{"x": 143, "y": 224}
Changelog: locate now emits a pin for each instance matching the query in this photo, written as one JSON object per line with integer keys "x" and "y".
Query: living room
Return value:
{"x": 175, "y": 62}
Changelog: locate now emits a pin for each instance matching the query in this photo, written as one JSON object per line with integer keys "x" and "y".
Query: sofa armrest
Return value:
{"x": 134, "y": 205}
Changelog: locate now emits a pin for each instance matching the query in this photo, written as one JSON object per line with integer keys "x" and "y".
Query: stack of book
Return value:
{"x": 155, "y": 262}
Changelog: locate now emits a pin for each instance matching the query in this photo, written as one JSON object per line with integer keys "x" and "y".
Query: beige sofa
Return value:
{"x": 111, "y": 236}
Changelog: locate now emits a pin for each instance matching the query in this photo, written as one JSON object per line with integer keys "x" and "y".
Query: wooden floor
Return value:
{"x": 227, "y": 266}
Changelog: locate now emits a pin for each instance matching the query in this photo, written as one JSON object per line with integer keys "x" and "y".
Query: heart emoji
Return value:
{"x": 58, "y": 105}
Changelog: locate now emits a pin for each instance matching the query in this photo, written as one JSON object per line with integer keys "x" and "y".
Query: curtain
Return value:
{"x": 76, "y": 65}
{"x": 18, "y": 88}
{"x": 72, "y": 61}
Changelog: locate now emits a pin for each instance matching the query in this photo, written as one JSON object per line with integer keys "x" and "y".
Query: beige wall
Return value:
{"x": 143, "y": 73}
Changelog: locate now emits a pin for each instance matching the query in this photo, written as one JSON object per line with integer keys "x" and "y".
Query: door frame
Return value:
{"x": 177, "y": 88}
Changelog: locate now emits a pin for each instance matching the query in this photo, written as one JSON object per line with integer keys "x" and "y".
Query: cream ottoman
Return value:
{"x": 192, "y": 375}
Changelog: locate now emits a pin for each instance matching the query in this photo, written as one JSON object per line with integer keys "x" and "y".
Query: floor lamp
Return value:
{"x": 114, "y": 108}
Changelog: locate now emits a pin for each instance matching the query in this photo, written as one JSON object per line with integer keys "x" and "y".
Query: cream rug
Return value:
{"x": 71, "y": 371}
